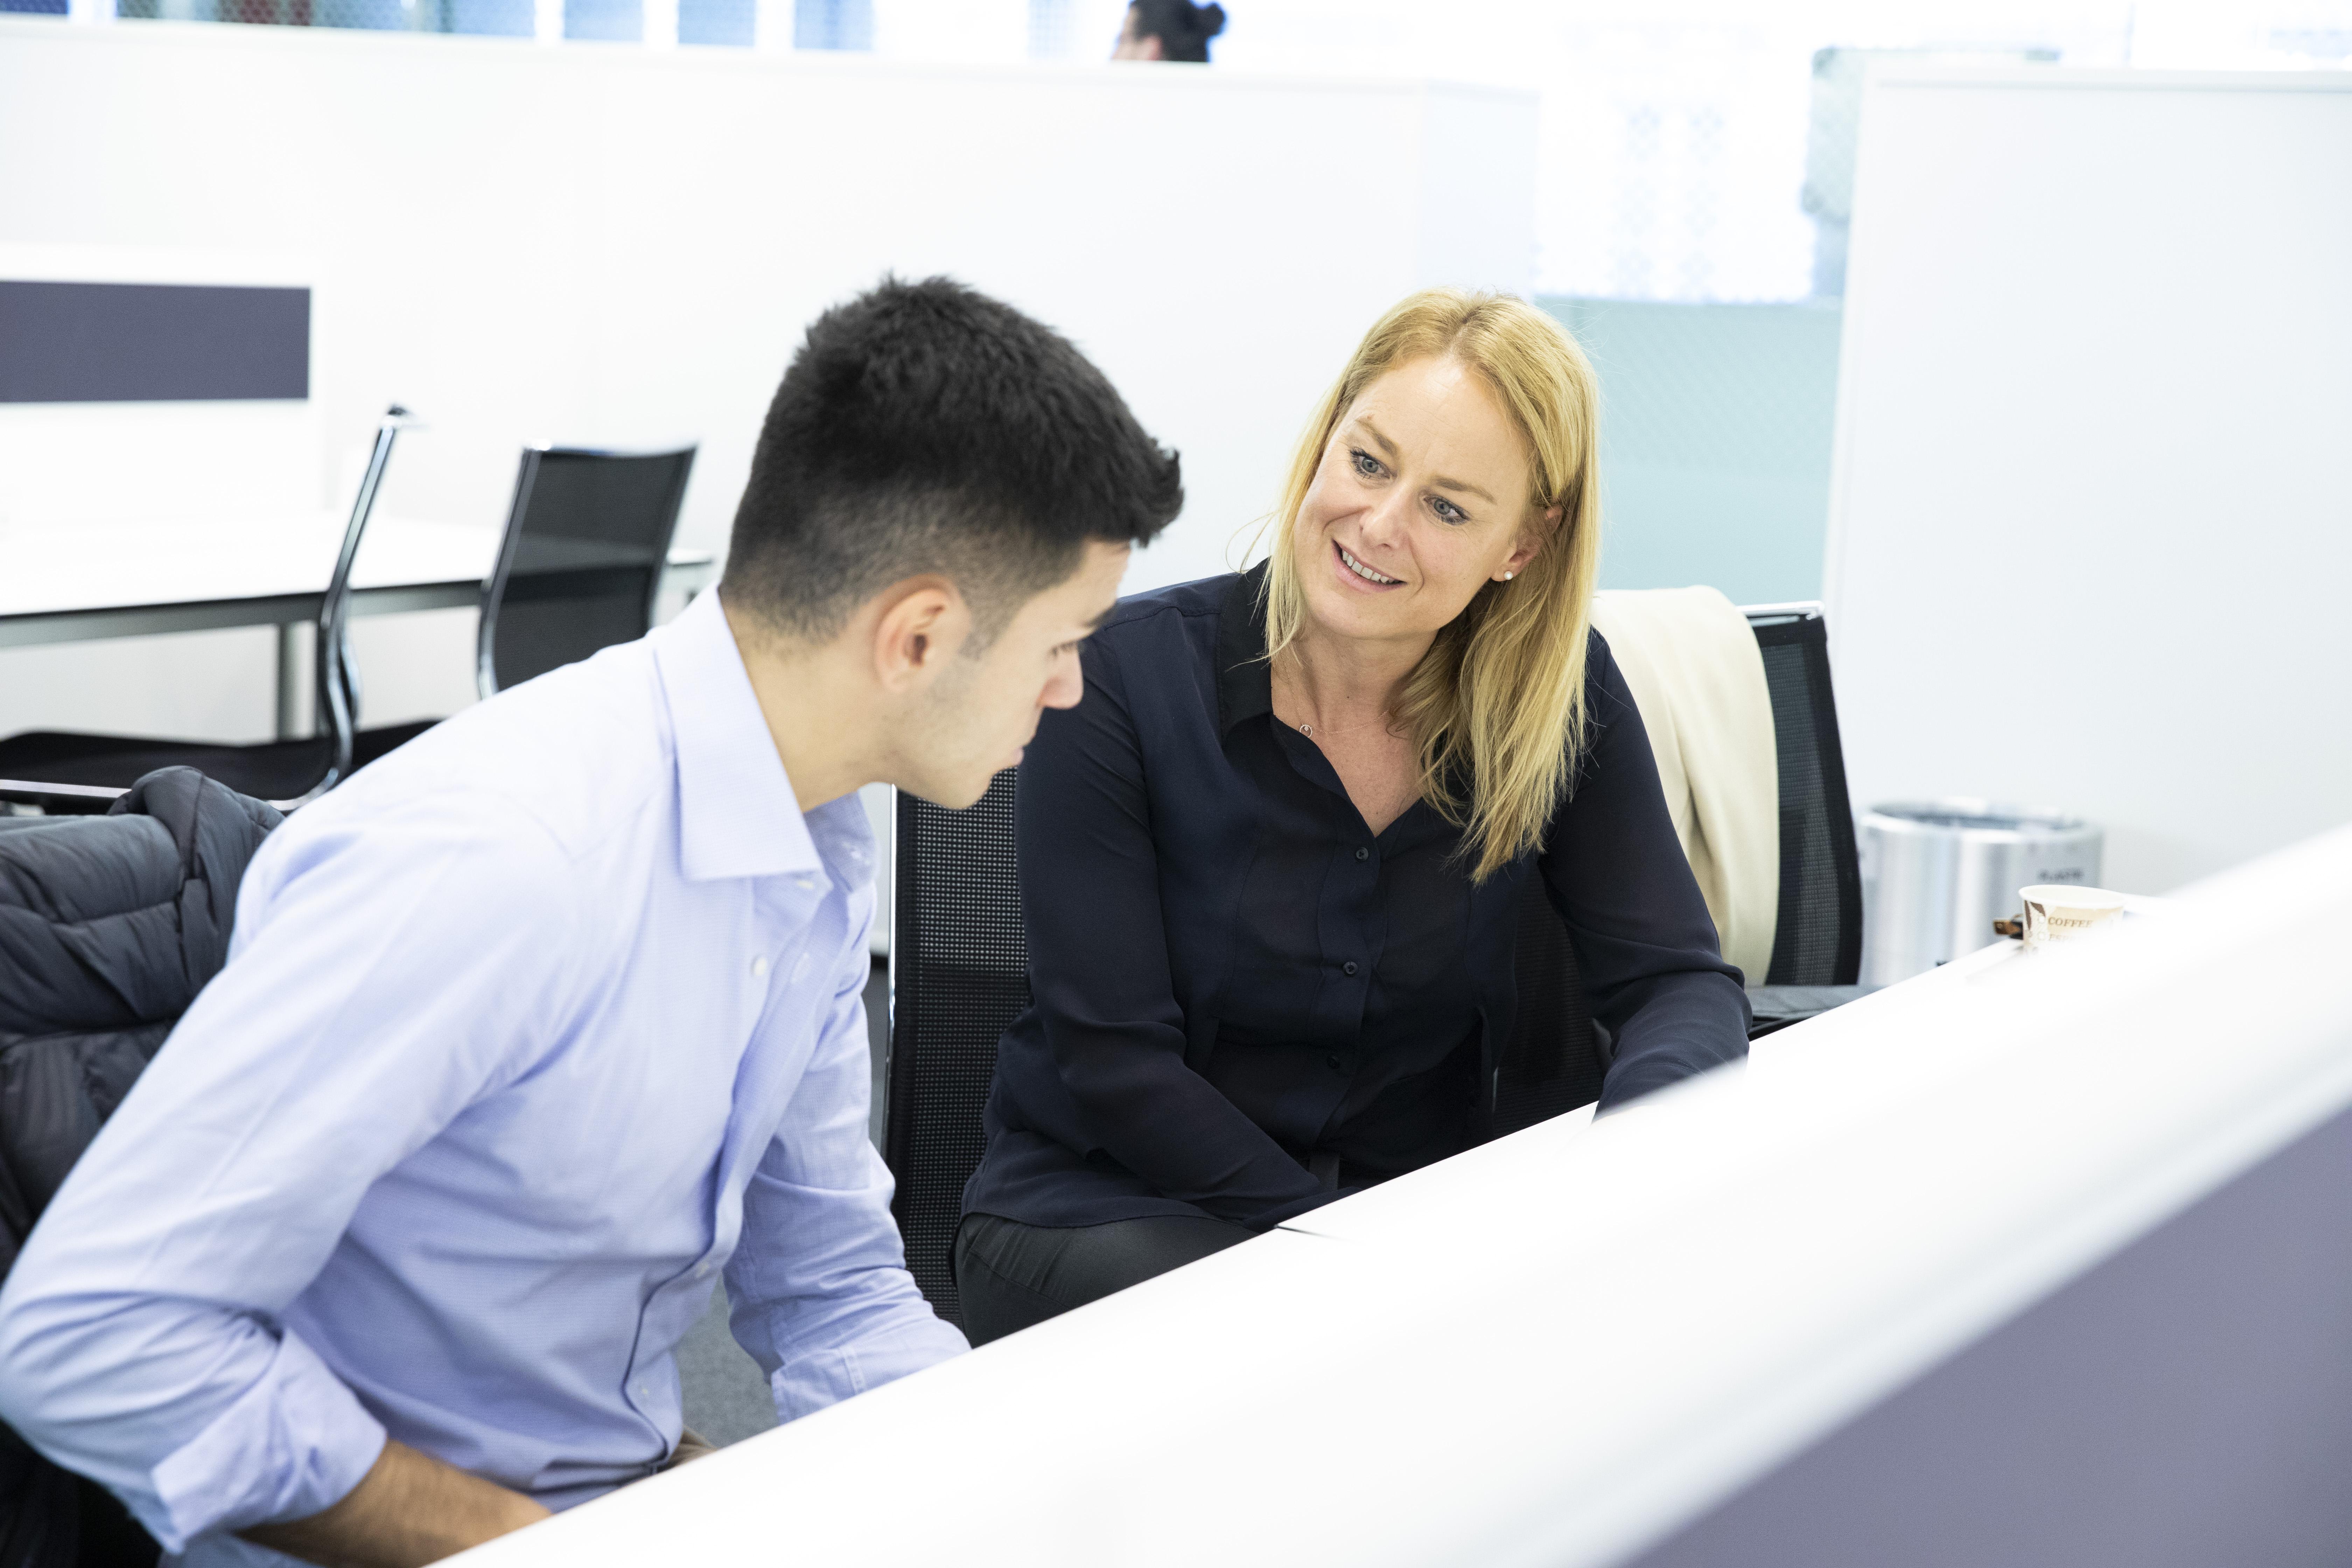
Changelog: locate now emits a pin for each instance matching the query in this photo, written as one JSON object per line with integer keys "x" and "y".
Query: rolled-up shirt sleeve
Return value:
{"x": 818, "y": 1285}
{"x": 378, "y": 983}
{"x": 1645, "y": 946}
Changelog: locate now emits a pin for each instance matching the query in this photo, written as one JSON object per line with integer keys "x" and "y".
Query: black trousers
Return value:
{"x": 1012, "y": 1275}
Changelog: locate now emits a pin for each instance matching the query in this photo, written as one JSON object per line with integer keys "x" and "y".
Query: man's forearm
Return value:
{"x": 408, "y": 1510}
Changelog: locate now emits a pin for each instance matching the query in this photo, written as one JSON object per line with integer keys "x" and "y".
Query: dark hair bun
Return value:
{"x": 1182, "y": 29}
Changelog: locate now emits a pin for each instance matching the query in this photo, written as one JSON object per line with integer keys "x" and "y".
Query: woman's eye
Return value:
{"x": 1448, "y": 512}
{"x": 1366, "y": 464}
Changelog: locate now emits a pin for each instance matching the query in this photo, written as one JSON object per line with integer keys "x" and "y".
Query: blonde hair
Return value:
{"x": 1498, "y": 700}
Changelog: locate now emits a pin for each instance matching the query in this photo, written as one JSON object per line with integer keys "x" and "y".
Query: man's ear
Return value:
{"x": 922, "y": 624}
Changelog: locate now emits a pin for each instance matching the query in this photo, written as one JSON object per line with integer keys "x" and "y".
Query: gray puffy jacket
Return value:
{"x": 109, "y": 927}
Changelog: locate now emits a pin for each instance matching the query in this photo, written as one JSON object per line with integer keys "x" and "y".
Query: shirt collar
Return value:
{"x": 737, "y": 813}
{"x": 1245, "y": 680}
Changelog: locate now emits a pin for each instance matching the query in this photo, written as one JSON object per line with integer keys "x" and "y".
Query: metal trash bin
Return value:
{"x": 1936, "y": 874}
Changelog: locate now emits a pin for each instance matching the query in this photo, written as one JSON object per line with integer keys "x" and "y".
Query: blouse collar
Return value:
{"x": 1244, "y": 677}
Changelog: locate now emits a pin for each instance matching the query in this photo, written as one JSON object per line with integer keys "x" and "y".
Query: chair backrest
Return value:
{"x": 958, "y": 975}
{"x": 579, "y": 567}
{"x": 337, "y": 672}
{"x": 1818, "y": 940}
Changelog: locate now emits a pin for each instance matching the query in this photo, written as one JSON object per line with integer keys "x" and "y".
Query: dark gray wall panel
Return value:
{"x": 2189, "y": 1402}
{"x": 152, "y": 342}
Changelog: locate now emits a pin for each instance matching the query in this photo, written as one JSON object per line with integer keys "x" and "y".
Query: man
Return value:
{"x": 540, "y": 1022}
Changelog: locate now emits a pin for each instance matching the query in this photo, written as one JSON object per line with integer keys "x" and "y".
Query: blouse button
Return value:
{"x": 1348, "y": 967}
{"x": 1332, "y": 1061}
{"x": 1363, "y": 854}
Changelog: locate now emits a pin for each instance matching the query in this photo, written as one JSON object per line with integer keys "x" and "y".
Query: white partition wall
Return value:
{"x": 597, "y": 243}
{"x": 2009, "y": 1263}
{"x": 2091, "y": 535}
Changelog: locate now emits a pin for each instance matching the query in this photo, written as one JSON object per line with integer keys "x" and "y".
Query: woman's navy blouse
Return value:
{"x": 1231, "y": 975}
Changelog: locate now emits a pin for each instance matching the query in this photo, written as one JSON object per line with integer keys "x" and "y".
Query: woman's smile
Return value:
{"x": 1360, "y": 577}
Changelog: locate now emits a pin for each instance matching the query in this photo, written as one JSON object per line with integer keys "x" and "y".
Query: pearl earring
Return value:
{"x": 1507, "y": 576}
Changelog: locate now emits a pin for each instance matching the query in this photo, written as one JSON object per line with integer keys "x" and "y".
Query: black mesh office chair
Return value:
{"x": 1817, "y": 943}
{"x": 579, "y": 567}
{"x": 1818, "y": 940}
{"x": 63, "y": 772}
{"x": 958, "y": 975}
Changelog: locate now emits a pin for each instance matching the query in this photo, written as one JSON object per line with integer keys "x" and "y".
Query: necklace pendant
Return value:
{"x": 1306, "y": 729}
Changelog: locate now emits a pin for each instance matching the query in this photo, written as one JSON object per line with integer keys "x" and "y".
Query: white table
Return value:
{"x": 143, "y": 577}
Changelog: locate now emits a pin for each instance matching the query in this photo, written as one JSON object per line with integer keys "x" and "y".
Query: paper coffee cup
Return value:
{"x": 2055, "y": 912}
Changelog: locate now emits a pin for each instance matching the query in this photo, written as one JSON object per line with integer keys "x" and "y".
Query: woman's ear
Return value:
{"x": 1524, "y": 547}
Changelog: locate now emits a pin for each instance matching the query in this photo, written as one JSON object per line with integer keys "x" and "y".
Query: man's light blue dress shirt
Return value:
{"x": 528, "y": 1033}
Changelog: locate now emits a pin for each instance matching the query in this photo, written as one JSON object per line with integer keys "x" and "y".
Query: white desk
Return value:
{"x": 1556, "y": 1347}
{"x": 1468, "y": 1183}
{"x": 137, "y": 579}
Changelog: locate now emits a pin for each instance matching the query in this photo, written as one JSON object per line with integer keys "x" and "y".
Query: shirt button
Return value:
{"x": 1348, "y": 967}
{"x": 758, "y": 966}
{"x": 1362, "y": 854}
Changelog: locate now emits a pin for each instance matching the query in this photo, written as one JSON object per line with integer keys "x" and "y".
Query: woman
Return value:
{"x": 1169, "y": 30}
{"x": 1271, "y": 862}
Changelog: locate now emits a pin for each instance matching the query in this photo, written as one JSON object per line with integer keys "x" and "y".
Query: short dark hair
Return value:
{"x": 1182, "y": 29}
{"x": 927, "y": 427}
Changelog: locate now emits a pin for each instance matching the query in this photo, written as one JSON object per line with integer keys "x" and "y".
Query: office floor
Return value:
{"x": 725, "y": 1396}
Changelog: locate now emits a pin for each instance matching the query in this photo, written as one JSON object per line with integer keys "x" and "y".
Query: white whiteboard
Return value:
{"x": 2091, "y": 531}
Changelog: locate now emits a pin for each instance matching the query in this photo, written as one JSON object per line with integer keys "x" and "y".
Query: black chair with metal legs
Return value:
{"x": 63, "y": 772}
{"x": 579, "y": 567}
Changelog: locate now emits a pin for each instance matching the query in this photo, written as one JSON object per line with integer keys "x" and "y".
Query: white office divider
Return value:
{"x": 592, "y": 243}
{"x": 1562, "y": 1347}
{"x": 2092, "y": 513}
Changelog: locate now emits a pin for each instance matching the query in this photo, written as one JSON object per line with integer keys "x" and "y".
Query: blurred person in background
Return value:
{"x": 1273, "y": 862}
{"x": 1169, "y": 30}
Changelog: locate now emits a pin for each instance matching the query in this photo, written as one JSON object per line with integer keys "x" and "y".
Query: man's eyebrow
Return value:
{"x": 1388, "y": 447}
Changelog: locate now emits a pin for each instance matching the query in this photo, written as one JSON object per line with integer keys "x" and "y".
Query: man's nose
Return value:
{"x": 1066, "y": 687}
